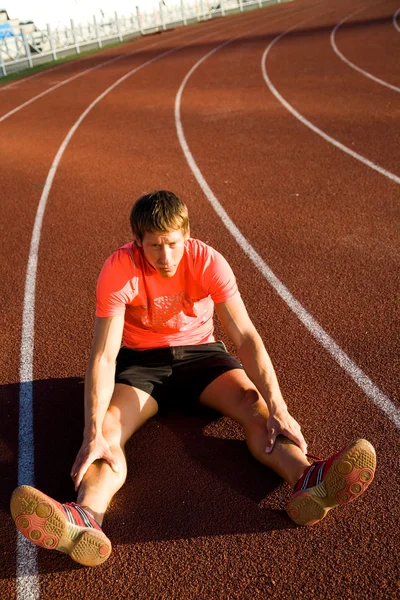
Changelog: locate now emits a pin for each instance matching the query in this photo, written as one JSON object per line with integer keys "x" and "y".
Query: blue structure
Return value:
{"x": 6, "y": 30}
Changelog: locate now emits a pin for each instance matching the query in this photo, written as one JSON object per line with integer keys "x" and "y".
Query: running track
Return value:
{"x": 319, "y": 207}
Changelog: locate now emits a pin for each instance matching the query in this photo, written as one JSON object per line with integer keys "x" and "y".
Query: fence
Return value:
{"x": 30, "y": 48}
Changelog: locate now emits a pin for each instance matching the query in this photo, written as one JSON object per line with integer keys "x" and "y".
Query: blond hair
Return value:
{"x": 159, "y": 211}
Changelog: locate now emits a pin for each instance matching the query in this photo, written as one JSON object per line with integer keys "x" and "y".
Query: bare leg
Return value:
{"x": 129, "y": 409}
{"x": 234, "y": 395}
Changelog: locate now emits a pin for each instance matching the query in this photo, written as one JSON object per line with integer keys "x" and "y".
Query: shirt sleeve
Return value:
{"x": 221, "y": 281}
{"x": 115, "y": 288}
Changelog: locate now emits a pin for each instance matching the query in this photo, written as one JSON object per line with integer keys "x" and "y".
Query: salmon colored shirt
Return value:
{"x": 160, "y": 311}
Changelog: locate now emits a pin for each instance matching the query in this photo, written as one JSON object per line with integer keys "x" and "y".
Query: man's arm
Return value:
{"x": 258, "y": 366}
{"x": 99, "y": 387}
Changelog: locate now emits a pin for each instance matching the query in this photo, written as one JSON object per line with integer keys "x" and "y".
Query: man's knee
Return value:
{"x": 253, "y": 410}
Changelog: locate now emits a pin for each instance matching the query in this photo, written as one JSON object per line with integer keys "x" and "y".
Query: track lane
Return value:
{"x": 13, "y": 308}
{"x": 100, "y": 60}
{"x": 48, "y": 316}
{"x": 370, "y": 28}
{"x": 352, "y": 133}
{"x": 182, "y": 545}
{"x": 53, "y": 114}
{"x": 179, "y": 526}
{"x": 349, "y": 62}
{"x": 359, "y": 377}
{"x": 28, "y": 145}
{"x": 364, "y": 232}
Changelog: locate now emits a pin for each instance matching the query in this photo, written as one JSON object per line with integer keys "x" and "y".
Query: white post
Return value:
{"x": 222, "y": 8}
{"x": 27, "y": 48}
{"x": 96, "y": 28}
{"x": 139, "y": 20}
{"x": 75, "y": 37}
{"x": 118, "y": 27}
{"x": 52, "y": 47}
{"x": 202, "y": 10}
{"x": 162, "y": 16}
{"x": 241, "y": 5}
{"x": 183, "y": 12}
{"x": 260, "y": 3}
{"x": 2, "y": 65}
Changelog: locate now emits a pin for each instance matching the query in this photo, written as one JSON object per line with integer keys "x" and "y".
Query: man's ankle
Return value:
{"x": 98, "y": 517}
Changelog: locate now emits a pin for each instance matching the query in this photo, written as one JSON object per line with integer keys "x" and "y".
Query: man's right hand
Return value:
{"x": 91, "y": 450}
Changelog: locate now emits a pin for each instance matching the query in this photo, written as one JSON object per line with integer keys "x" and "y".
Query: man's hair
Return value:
{"x": 159, "y": 211}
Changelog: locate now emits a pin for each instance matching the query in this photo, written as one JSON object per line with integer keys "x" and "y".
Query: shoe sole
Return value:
{"x": 346, "y": 479}
{"x": 40, "y": 520}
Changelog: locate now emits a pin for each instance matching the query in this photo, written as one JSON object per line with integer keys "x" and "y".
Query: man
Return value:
{"x": 158, "y": 294}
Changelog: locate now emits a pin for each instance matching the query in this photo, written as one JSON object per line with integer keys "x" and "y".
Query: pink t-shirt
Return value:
{"x": 159, "y": 311}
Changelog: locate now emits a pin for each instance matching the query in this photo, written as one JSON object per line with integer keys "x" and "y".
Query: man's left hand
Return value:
{"x": 282, "y": 423}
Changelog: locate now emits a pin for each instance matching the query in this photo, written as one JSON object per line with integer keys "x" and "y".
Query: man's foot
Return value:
{"x": 326, "y": 484}
{"x": 65, "y": 527}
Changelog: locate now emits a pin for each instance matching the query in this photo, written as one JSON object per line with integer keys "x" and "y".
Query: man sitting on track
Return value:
{"x": 157, "y": 294}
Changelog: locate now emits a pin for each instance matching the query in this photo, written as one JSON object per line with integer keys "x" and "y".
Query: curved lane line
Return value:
{"x": 351, "y": 64}
{"x": 396, "y": 25}
{"x": 58, "y": 85}
{"x": 27, "y": 578}
{"x": 344, "y": 361}
{"x": 313, "y": 127}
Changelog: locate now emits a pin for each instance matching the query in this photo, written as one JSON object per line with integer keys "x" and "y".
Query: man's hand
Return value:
{"x": 282, "y": 423}
{"x": 90, "y": 451}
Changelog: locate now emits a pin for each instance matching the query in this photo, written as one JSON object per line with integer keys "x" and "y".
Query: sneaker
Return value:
{"x": 326, "y": 484}
{"x": 68, "y": 527}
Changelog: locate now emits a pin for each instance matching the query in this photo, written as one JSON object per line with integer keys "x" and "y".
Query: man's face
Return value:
{"x": 164, "y": 251}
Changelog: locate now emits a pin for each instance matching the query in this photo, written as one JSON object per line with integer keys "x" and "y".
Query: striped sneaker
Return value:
{"x": 326, "y": 484}
{"x": 68, "y": 527}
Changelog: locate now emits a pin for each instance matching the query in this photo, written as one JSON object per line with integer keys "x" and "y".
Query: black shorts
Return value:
{"x": 176, "y": 375}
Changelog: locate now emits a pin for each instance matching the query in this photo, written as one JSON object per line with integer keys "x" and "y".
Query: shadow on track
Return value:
{"x": 190, "y": 473}
{"x": 8, "y": 479}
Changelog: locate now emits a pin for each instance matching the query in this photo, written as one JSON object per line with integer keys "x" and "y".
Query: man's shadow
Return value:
{"x": 189, "y": 471}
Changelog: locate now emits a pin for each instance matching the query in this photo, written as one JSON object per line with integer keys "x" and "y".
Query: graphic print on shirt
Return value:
{"x": 173, "y": 312}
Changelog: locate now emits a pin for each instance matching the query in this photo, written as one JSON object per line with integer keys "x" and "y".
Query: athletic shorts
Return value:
{"x": 176, "y": 375}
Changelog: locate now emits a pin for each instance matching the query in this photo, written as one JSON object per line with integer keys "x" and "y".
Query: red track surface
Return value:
{"x": 198, "y": 518}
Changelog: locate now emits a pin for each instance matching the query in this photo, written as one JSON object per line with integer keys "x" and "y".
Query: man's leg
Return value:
{"x": 235, "y": 396}
{"x": 129, "y": 409}
{"x": 317, "y": 488}
{"x": 71, "y": 527}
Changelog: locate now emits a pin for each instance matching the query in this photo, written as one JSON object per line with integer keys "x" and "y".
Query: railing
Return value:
{"x": 29, "y": 48}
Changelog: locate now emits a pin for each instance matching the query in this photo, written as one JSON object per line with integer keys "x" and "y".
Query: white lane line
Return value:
{"x": 58, "y": 85}
{"x": 395, "y": 23}
{"x": 80, "y": 74}
{"x": 27, "y": 579}
{"x": 351, "y": 64}
{"x": 313, "y": 127}
{"x": 358, "y": 376}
